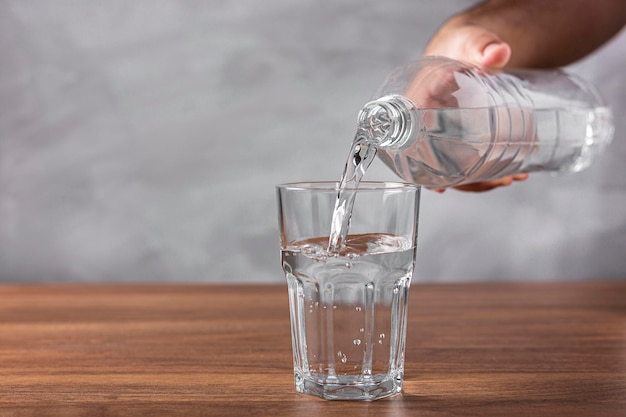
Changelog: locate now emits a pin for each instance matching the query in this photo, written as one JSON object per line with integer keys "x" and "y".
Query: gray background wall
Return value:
{"x": 141, "y": 141}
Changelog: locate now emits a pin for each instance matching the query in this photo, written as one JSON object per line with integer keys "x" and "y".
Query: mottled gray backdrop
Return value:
{"x": 141, "y": 141}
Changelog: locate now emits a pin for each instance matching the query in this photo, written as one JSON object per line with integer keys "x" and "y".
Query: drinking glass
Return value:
{"x": 348, "y": 307}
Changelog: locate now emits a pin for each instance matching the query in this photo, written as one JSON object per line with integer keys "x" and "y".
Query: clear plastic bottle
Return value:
{"x": 438, "y": 122}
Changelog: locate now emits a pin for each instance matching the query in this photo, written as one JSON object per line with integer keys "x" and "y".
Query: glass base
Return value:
{"x": 350, "y": 387}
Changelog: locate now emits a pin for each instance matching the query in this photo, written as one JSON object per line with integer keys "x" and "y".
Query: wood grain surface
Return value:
{"x": 535, "y": 349}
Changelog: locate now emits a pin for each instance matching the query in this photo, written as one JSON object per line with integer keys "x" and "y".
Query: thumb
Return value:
{"x": 472, "y": 44}
{"x": 495, "y": 55}
{"x": 485, "y": 49}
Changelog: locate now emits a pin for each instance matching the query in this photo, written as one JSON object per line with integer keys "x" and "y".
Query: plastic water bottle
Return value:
{"x": 438, "y": 122}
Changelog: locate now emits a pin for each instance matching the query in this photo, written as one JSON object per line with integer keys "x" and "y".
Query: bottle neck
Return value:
{"x": 388, "y": 122}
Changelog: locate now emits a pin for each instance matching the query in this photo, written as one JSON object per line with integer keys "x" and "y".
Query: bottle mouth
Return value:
{"x": 387, "y": 122}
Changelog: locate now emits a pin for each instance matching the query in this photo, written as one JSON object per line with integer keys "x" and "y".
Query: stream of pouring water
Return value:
{"x": 360, "y": 158}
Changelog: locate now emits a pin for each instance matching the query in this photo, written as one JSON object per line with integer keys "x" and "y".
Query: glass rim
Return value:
{"x": 334, "y": 186}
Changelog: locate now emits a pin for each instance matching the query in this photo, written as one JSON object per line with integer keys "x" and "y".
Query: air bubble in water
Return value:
{"x": 357, "y": 341}
{"x": 344, "y": 359}
{"x": 358, "y": 308}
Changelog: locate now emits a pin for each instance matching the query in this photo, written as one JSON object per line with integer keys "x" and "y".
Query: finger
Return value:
{"x": 485, "y": 185}
{"x": 472, "y": 44}
{"x": 485, "y": 49}
{"x": 495, "y": 55}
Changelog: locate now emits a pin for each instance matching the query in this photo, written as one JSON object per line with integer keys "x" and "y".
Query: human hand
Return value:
{"x": 481, "y": 47}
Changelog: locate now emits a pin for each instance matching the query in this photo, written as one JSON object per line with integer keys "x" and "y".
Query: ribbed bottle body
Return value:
{"x": 468, "y": 125}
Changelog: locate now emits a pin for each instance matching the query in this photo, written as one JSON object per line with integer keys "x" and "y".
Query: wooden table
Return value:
{"x": 534, "y": 349}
